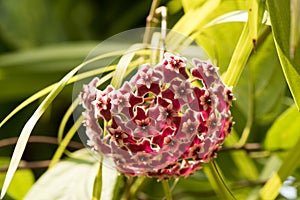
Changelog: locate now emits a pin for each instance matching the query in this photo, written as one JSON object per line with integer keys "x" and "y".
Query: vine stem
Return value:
{"x": 167, "y": 190}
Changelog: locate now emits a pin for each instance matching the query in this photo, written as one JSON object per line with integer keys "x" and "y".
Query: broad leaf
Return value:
{"x": 73, "y": 178}
{"x": 261, "y": 80}
{"x": 280, "y": 19}
{"x": 284, "y": 131}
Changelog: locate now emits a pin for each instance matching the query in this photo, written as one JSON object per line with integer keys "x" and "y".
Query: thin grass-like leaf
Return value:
{"x": 65, "y": 119}
{"x": 123, "y": 64}
{"x": 24, "y": 136}
{"x": 48, "y": 89}
{"x": 64, "y": 143}
{"x": 239, "y": 58}
{"x": 216, "y": 180}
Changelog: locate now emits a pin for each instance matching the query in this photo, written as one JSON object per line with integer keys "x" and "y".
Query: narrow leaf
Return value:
{"x": 24, "y": 136}
{"x": 123, "y": 65}
{"x": 280, "y": 19}
{"x": 239, "y": 58}
{"x": 216, "y": 180}
{"x": 48, "y": 89}
{"x": 63, "y": 145}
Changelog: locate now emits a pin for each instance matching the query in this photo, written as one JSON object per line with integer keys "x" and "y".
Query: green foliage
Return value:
{"x": 21, "y": 183}
{"x": 284, "y": 130}
{"x": 260, "y": 60}
{"x": 280, "y": 20}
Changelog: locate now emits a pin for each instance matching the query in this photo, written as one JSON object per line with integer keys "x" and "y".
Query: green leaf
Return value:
{"x": 21, "y": 183}
{"x": 24, "y": 136}
{"x": 216, "y": 180}
{"x": 239, "y": 58}
{"x": 258, "y": 83}
{"x": 270, "y": 165}
{"x": 191, "y": 4}
{"x": 280, "y": 19}
{"x": 291, "y": 162}
{"x": 214, "y": 35}
{"x": 73, "y": 178}
{"x": 97, "y": 186}
{"x": 64, "y": 143}
{"x": 123, "y": 64}
{"x": 48, "y": 89}
{"x": 255, "y": 9}
{"x": 243, "y": 162}
{"x": 195, "y": 20}
{"x": 284, "y": 130}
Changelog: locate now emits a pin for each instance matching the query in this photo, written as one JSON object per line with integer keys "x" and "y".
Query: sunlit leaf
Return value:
{"x": 258, "y": 83}
{"x": 291, "y": 162}
{"x": 71, "y": 178}
{"x": 214, "y": 35}
{"x": 24, "y": 136}
{"x": 123, "y": 65}
{"x": 21, "y": 183}
{"x": 256, "y": 8}
{"x": 191, "y": 4}
{"x": 48, "y": 89}
{"x": 284, "y": 131}
{"x": 280, "y": 20}
{"x": 239, "y": 58}
{"x": 194, "y": 20}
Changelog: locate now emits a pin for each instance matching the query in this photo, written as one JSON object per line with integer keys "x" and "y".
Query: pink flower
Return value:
{"x": 160, "y": 123}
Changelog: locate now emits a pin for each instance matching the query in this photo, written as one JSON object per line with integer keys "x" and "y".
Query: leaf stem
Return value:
{"x": 167, "y": 190}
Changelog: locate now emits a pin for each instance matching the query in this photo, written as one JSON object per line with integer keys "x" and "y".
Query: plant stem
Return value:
{"x": 97, "y": 188}
{"x": 150, "y": 20}
{"x": 217, "y": 181}
{"x": 167, "y": 190}
{"x": 136, "y": 186}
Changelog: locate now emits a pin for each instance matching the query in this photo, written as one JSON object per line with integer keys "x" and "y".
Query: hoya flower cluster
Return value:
{"x": 165, "y": 122}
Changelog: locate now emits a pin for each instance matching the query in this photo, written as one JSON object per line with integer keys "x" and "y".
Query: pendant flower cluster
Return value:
{"x": 162, "y": 123}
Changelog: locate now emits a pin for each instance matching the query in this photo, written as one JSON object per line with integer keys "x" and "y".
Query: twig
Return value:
{"x": 150, "y": 20}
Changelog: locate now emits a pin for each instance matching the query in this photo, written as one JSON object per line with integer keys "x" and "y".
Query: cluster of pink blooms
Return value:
{"x": 165, "y": 122}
